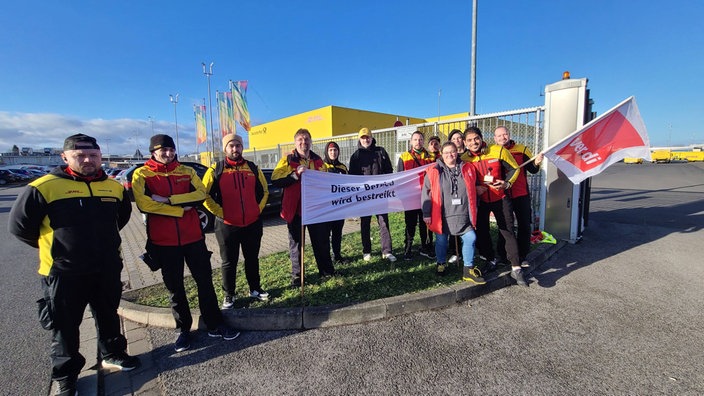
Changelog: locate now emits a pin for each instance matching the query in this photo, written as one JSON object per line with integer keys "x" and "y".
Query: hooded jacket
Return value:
{"x": 237, "y": 192}
{"x": 333, "y": 165}
{"x": 169, "y": 224}
{"x": 75, "y": 223}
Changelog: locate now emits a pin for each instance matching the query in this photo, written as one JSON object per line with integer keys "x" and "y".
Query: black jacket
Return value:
{"x": 373, "y": 160}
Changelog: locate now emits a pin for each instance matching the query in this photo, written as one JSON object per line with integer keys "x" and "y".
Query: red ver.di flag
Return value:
{"x": 617, "y": 134}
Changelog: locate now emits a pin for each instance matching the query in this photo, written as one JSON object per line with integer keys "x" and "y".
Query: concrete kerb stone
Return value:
{"x": 301, "y": 318}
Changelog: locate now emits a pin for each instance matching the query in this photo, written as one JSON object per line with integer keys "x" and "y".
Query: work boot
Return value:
{"x": 408, "y": 251}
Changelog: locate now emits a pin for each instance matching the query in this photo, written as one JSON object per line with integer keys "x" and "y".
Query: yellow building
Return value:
{"x": 323, "y": 122}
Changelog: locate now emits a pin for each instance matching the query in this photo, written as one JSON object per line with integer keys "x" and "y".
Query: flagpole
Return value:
{"x": 302, "y": 260}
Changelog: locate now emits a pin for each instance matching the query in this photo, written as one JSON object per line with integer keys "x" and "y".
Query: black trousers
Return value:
{"x": 503, "y": 213}
{"x": 230, "y": 238}
{"x": 68, "y": 295}
{"x": 523, "y": 212}
{"x": 197, "y": 257}
{"x": 319, "y": 239}
{"x": 365, "y": 223}
{"x": 335, "y": 229}
{"x": 415, "y": 218}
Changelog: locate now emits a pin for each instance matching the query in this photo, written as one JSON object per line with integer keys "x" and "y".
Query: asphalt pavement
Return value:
{"x": 616, "y": 313}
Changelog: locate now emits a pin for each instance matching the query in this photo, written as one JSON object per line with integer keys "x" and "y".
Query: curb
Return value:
{"x": 303, "y": 318}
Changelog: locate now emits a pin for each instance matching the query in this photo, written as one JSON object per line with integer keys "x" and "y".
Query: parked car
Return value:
{"x": 273, "y": 204}
{"x": 7, "y": 177}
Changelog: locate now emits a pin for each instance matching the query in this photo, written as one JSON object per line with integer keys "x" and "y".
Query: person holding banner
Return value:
{"x": 370, "y": 159}
{"x": 449, "y": 206}
{"x": 416, "y": 157}
{"x": 520, "y": 198}
{"x": 237, "y": 193}
{"x": 332, "y": 164}
{"x": 287, "y": 175}
{"x": 497, "y": 172}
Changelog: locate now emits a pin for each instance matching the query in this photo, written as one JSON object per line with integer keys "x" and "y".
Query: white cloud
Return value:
{"x": 117, "y": 137}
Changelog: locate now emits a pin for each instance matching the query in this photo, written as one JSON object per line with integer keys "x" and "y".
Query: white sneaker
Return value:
{"x": 367, "y": 257}
{"x": 260, "y": 295}
{"x": 389, "y": 257}
{"x": 525, "y": 264}
{"x": 452, "y": 259}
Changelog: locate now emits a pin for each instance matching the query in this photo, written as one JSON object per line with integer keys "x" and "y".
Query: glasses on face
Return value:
{"x": 450, "y": 153}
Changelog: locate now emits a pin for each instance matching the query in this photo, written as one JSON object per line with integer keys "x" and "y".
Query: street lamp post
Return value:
{"x": 209, "y": 73}
{"x": 174, "y": 100}
{"x": 151, "y": 121}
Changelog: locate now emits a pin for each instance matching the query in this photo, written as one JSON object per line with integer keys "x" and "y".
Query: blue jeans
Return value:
{"x": 468, "y": 239}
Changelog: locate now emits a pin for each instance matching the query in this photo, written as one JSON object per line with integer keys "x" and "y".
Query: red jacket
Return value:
{"x": 521, "y": 154}
{"x": 236, "y": 193}
{"x": 283, "y": 176}
{"x": 432, "y": 176}
{"x": 496, "y": 161}
{"x": 168, "y": 224}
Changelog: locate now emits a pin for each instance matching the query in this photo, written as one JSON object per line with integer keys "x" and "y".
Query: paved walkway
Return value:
{"x": 136, "y": 275}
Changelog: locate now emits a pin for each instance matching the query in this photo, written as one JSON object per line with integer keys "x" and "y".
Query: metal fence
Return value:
{"x": 525, "y": 125}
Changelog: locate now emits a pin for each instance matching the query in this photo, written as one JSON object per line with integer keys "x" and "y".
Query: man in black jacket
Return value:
{"x": 73, "y": 215}
{"x": 370, "y": 159}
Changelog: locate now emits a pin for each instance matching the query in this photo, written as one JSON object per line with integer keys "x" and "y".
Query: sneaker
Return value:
{"x": 182, "y": 341}
{"x": 341, "y": 260}
{"x": 517, "y": 275}
{"x": 389, "y": 256}
{"x": 427, "y": 253}
{"x": 472, "y": 274}
{"x": 296, "y": 282}
{"x": 225, "y": 332}
{"x": 408, "y": 256}
{"x": 66, "y": 387}
{"x": 440, "y": 269}
{"x": 453, "y": 259}
{"x": 525, "y": 264}
{"x": 122, "y": 361}
{"x": 228, "y": 302}
{"x": 367, "y": 257}
{"x": 259, "y": 294}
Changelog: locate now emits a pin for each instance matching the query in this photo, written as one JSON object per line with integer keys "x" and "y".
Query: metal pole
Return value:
{"x": 473, "y": 69}
{"x": 210, "y": 104}
{"x": 174, "y": 100}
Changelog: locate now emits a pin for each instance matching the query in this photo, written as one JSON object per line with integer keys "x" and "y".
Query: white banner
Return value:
{"x": 333, "y": 196}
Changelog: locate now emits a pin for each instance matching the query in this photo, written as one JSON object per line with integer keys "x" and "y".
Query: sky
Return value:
{"x": 107, "y": 68}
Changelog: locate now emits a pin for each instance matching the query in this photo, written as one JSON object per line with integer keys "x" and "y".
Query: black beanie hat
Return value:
{"x": 452, "y": 133}
{"x": 159, "y": 141}
{"x": 80, "y": 141}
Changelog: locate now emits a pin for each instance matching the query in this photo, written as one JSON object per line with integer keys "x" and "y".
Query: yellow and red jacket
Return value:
{"x": 75, "y": 223}
{"x": 521, "y": 154}
{"x": 432, "y": 176}
{"x": 496, "y": 161}
{"x": 168, "y": 224}
{"x": 283, "y": 176}
{"x": 410, "y": 159}
{"x": 237, "y": 193}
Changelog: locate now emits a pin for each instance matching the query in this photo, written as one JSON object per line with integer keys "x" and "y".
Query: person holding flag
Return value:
{"x": 520, "y": 197}
{"x": 497, "y": 170}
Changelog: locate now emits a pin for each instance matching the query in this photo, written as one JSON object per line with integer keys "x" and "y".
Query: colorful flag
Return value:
{"x": 201, "y": 130}
{"x": 239, "y": 98}
{"x": 617, "y": 134}
{"x": 333, "y": 196}
{"x": 226, "y": 113}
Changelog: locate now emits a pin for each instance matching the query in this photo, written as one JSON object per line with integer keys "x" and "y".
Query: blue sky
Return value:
{"x": 107, "y": 68}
